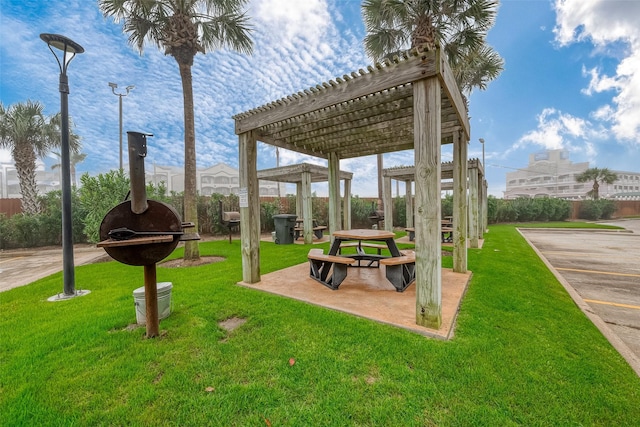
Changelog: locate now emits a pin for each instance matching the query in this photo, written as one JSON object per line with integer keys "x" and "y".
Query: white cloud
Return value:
{"x": 285, "y": 20}
{"x": 557, "y": 130}
{"x": 608, "y": 23}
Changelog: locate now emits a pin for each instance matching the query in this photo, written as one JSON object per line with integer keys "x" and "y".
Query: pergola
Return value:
{"x": 410, "y": 102}
{"x": 468, "y": 219}
{"x": 303, "y": 175}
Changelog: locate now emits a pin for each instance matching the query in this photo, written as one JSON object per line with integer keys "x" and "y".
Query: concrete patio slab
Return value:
{"x": 367, "y": 293}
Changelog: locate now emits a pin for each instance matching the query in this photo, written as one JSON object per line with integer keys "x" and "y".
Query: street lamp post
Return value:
{"x": 113, "y": 87}
{"x": 69, "y": 49}
{"x": 482, "y": 142}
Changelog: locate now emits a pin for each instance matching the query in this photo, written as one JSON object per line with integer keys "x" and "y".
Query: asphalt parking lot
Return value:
{"x": 603, "y": 269}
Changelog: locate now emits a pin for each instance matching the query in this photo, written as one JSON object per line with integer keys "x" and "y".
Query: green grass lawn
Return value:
{"x": 523, "y": 353}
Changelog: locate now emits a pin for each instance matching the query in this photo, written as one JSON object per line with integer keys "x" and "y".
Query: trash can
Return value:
{"x": 284, "y": 224}
{"x": 164, "y": 302}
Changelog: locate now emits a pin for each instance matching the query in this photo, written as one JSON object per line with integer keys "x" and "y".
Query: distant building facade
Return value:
{"x": 552, "y": 174}
{"x": 217, "y": 179}
{"x": 10, "y": 185}
{"x": 220, "y": 178}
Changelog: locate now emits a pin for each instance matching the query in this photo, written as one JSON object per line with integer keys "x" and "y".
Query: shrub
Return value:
{"x": 506, "y": 212}
{"x": 596, "y": 209}
{"x": 100, "y": 194}
{"x": 447, "y": 205}
{"x": 492, "y": 209}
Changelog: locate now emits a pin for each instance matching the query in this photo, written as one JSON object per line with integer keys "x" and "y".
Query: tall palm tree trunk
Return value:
{"x": 25, "y": 160}
{"x": 191, "y": 249}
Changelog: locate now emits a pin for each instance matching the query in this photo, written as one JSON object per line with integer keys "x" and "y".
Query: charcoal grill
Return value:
{"x": 377, "y": 215}
{"x": 142, "y": 232}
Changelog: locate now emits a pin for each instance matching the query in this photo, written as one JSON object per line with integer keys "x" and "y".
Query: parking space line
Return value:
{"x": 584, "y": 254}
{"x": 598, "y": 272}
{"x": 615, "y": 304}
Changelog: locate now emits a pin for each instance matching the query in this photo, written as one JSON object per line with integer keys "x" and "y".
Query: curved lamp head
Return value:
{"x": 66, "y": 45}
{"x": 114, "y": 86}
{"x": 481, "y": 140}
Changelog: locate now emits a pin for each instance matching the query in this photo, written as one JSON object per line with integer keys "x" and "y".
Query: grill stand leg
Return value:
{"x": 151, "y": 301}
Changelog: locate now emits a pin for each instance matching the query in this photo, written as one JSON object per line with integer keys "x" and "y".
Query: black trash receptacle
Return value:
{"x": 284, "y": 224}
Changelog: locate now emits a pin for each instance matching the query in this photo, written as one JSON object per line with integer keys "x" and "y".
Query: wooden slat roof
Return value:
{"x": 293, "y": 173}
{"x": 408, "y": 173}
{"x": 364, "y": 113}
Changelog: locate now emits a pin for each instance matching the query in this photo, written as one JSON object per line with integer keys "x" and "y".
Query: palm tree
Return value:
{"x": 598, "y": 176}
{"x": 182, "y": 28}
{"x": 29, "y": 135}
{"x": 459, "y": 26}
{"x": 74, "y": 159}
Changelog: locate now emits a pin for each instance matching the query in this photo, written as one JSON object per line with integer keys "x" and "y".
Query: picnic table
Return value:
{"x": 446, "y": 231}
{"x": 331, "y": 269}
{"x": 318, "y": 230}
{"x": 360, "y": 237}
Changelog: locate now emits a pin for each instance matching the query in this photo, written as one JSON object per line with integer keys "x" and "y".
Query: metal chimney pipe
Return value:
{"x": 137, "y": 152}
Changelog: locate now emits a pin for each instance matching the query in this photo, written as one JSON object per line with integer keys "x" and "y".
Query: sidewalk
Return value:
{"x": 19, "y": 267}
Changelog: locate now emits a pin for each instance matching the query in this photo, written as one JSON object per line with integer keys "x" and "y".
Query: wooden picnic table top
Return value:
{"x": 364, "y": 234}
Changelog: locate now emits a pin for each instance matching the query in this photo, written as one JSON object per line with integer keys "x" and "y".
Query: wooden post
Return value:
{"x": 299, "y": 203}
{"x": 250, "y": 213}
{"x": 459, "y": 203}
{"x": 346, "y": 225}
{"x": 151, "y": 301}
{"x": 484, "y": 207}
{"x": 335, "y": 223}
{"x": 427, "y": 140}
{"x": 307, "y": 210}
{"x": 409, "y": 203}
{"x": 473, "y": 208}
{"x": 387, "y": 203}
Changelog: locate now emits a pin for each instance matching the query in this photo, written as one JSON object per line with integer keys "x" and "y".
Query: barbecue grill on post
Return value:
{"x": 142, "y": 232}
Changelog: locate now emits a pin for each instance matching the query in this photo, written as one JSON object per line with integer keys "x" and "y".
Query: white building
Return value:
{"x": 10, "y": 185}
{"x": 552, "y": 174}
{"x": 220, "y": 178}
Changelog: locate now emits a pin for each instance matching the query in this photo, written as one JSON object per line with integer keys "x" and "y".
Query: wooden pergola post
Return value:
{"x": 409, "y": 203}
{"x": 249, "y": 207}
{"x": 299, "y": 210}
{"x": 347, "y": 205}
{"x": 427, "y": 137}
{"x": 387, "y": 203}
{"x": 485, "y": 206}
{"x": 473, "y": 208}
{"x": 459, "y": 203}
{"x": 307, "y": 208}
{"x": 335, "y": 223}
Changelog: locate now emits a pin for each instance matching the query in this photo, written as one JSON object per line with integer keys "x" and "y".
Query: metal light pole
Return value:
{"x": 69, "y": 49}
{"x": 482, "y": 142}
{"x": 113, "y": 87}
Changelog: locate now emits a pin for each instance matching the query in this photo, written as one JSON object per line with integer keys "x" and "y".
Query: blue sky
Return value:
{"x": 571, "y": 81}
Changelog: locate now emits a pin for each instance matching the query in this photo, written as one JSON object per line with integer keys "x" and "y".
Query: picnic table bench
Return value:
{"x": 447, "y": 234}
{"x": 400, "y": 271}
{"x": 330, "y": 270}
{"x": 318, "y": 231}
